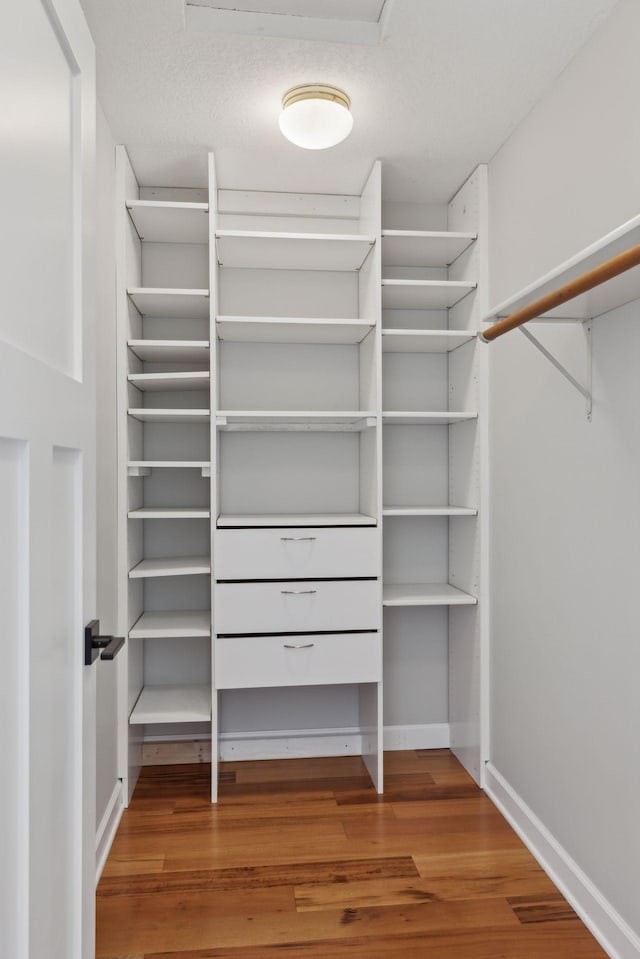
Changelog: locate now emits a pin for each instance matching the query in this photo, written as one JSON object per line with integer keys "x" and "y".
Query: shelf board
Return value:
{"x": 172, "y": 704}
{"x": 170, "y": 303}
{"x": 423, "y": 247}
{"x": 249, "y": 520}
{"x": 424, "y": 341}
{"x": 190, "y": 512}
{"x": 165, "y": 221}
{"x": 158, "y": 415}
{"x": 274, "y": 329}
{"x": 428, "y": 511}
{"x": 180, "y": 566}
{"x": 172, "y": 624}
{"x": 393, "y": 418}
{"x": 425, "y": 594}
{"x": 249, "y": 249}
{"x": 423, "y": 294}
{"x": 144, "y": 467}
{"x": 608, "y": 296}
{"x": 170, "y": 381}
{"x": 294, "y": 420}
{"x": 171, "y": 351}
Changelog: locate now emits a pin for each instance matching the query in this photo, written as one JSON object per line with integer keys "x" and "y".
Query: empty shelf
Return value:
{"x": 170, "y": 381}
{"x": 180, "y": 566}
{"x": 172, "y": 624}
{"x": 294, "y": 420}
{"x": 292, "y": 251}
{"x": 425, "y": 419}
{"x": 144, "y": 467}
{"x": 158, "y": 415}
{"x": 249, "y": 520}
{"x": 425, "y": 594}
{"x": 423, "y": 247}
{"x": 171, "y": 351}
{"x": 174, "y": 304}
{"x": 172, "y": 704}
{"x": 428, "y": 511}
{"x": 165, "y": 221}
{"x": 424, "y": 341}
{"x": 271, "y": 329}
{"x": 191, "y": 512}
{"x": 423, "y": 294}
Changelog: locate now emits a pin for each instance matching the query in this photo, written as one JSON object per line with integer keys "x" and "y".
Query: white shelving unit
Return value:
{"x": 269, "y": 346}
{"x": 164, "y": 400}
{"x": 297, "y": 358}
{"x": 431, "y": 388}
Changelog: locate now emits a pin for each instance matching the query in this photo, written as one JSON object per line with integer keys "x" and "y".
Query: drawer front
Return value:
{"x": 244, "y": 662}
{"x": 296, "y": 553}
{"x": 293, "y": 607}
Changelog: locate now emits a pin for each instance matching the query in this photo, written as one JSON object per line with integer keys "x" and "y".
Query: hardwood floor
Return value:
{"x": 301, "y": 858}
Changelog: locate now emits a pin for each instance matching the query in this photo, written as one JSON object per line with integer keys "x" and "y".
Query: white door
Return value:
{"x": 47, "y": 500}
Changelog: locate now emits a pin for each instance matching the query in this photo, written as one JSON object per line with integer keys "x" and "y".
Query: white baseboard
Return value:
{"x": 107, "y": 827}
{"x": 300, "y": 744}
{"x": 612, "y": 932}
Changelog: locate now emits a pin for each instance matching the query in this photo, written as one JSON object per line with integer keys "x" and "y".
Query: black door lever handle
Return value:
{"x": 107, "y": 647}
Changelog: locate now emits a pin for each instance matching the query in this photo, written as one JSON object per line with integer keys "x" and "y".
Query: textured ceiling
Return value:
{"x": 442, "y": 92}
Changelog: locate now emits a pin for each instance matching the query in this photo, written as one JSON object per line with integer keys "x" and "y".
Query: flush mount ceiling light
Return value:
{"x": 315, "y": 116}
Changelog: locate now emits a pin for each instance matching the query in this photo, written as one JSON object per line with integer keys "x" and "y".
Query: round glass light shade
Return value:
{"x": 315, "y": 116}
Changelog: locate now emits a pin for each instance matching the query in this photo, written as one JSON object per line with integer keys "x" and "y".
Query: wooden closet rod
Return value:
{"x": 600, "y": 274}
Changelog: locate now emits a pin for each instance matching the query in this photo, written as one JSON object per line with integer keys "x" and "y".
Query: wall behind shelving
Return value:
{"x": 565, "y": 517}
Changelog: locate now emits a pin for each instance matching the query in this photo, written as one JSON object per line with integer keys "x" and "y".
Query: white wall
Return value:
{"x": 106, "y": 756}
{"x": 565, "y": 509}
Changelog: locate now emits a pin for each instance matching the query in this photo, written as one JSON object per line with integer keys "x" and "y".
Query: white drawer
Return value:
{"x": 291, "y": 607}
{"x": 242, "y": 662}
{"x": 296, "y": 553}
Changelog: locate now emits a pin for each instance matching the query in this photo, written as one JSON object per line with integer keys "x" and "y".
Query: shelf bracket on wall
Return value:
{"x": 586, "y": 390}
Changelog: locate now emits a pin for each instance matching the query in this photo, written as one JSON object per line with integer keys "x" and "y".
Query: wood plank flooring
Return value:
{"x": 301, "y": 858}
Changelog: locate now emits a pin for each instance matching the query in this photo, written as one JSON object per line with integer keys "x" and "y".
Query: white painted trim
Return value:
{"x": 612, "y": 932}
{"x": 106, "y": 831}
{"x": 301, "y": 744}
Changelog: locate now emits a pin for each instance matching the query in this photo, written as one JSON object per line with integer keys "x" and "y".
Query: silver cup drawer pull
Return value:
{"x": 298, "y": 539}
{"x": 298, "y": 646}
{"x": 297, "y": 592}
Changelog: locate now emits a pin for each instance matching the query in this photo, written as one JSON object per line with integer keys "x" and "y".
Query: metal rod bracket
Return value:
{"x": 585, "y": 391}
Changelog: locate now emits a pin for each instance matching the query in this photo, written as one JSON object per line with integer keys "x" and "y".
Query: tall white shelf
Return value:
{"x": 297, "y": 449}
{"x": 433, "y": 292}
{"x": 164, "y": 387}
